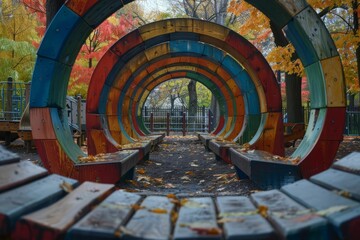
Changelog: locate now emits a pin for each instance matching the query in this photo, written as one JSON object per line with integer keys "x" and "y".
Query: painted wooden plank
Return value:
{"x": 157, "y": 51}
{"x": 183, "y": 25}
{"x": 102, "y": 10}
{"x": 350, "y": 163}
{"x": 316, "y": 83}
{"x": 241, "y": 220}
{"x": 266, "y": 170}
{"x": 80, "y": 6}
{"x": 272, "y": 10}
{"x": 210, "y": 29}
{"x": 317, "y": 33}
{"x": 346, "y": 184}
{"x": 29, "y": 198}
{"x": 205, "y": 139}
{"x": 197, "y": 220}
{"x": 334, "y": 80}
{"x": 127, "y": 42}
{"x": 342, "y": 213}
{"x": 152, "y": 220}
{"x": 53, "y": 221}
{"x": 289, "y": 218}
{"x": 125, "y": 160}
{"x": 47, "y": 88}
{"x": 57, "y": 44}
{"x": 222, "y": 149}
{"x": 105, "y": 220}
{"x": 98, "y": 79}
{"x": 16, "y": 174}
{"x": 161, "y": 27}
{"x": 7, "y": 157}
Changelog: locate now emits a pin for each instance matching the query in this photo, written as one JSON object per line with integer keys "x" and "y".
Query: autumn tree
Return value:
{"x": 17, "y": 55}
{"x": 95, "y": 45}
{"x": 98, "y": 42}
{"x": 341, "y": 18}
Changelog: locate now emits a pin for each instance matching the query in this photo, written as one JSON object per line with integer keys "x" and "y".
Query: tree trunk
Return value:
{"x": 52, "y": 7}
{"x": 292, "y": 81}
{"x": 192, "y": 101}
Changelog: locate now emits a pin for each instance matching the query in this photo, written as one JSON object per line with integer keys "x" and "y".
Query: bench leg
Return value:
{"x": 218, "y": 158}
{"x": 27, "y": 145}
{"x": 129, "y": 175}
{"x": 147, "y": 157}
{"x": 240, "y": 173}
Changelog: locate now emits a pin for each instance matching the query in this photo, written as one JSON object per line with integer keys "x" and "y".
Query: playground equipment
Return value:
{"x": 35, "y": 205}
{"x": 305, "y": 30}
{"x": 14, "y": 96}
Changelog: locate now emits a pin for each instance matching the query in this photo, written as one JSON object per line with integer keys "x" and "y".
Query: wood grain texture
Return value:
{"x": 52, "y": 222}
{"x": 346, "y": 183}
{"x": 350, "y": 163}
{"x": 7, "y": 157}
{"x": 241, "y": 219}
{"x": 28, "y": 198}
{"x": 197, "y": 220}
{"x": 105, "y": 220}
{"x": 16, "y": 174}
{"x": 152, "y": 220}
{"x": 290, "y": 218}
{"x": 343, "y": 213}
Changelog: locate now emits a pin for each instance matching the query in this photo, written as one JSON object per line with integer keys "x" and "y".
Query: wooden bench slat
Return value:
{"x": 105, "y": 220}
{"x": 53, "y": 221}
{"x": 350, "y": 163}
{"x": 152, "y": 221}
{"x": 29, "y": 198}
{"x": 197, "y": 220}
{"x": 264, "y": 169}
{"x": 222, "y": 149}
{"x": 343, "y": 213}
{"x": 346, "y": 183}
{"x": 289, "y": 218}
{"x": 7, "y": 157}
{"x": 205, "y": 139}
{"x": 16, "y": 174}
{"x": 241, "y": 220}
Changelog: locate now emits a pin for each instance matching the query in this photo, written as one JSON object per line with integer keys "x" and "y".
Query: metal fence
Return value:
{"x": 352, "y": 126}
{"x": 177, "y": 120}
{"x": 14, "y": 96}
{"x": 352, "y": 121}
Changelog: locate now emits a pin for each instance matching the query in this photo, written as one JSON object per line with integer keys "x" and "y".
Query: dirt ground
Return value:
{"x": 181, "y": 165}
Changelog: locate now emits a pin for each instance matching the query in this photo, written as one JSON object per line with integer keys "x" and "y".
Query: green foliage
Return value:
{"x": 16, "y": 59}
{"x": 177, "y": 90}
{"x": 17, "y": 31}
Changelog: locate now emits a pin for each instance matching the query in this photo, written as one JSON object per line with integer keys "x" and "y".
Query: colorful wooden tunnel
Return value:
{"x": 227, "y": 64}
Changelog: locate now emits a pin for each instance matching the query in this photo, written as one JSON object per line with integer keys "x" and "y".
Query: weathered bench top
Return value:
{"x": 321, "y": 208}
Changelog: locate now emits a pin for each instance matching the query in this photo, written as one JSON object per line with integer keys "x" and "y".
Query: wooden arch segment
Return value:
{"x": 316, "y": 49}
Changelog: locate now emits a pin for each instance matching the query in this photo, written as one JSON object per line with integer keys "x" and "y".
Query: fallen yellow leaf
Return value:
{"x": 140, "y": 171}
{"x": 158, "y": 210}
{"x": 263, "y": 210}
